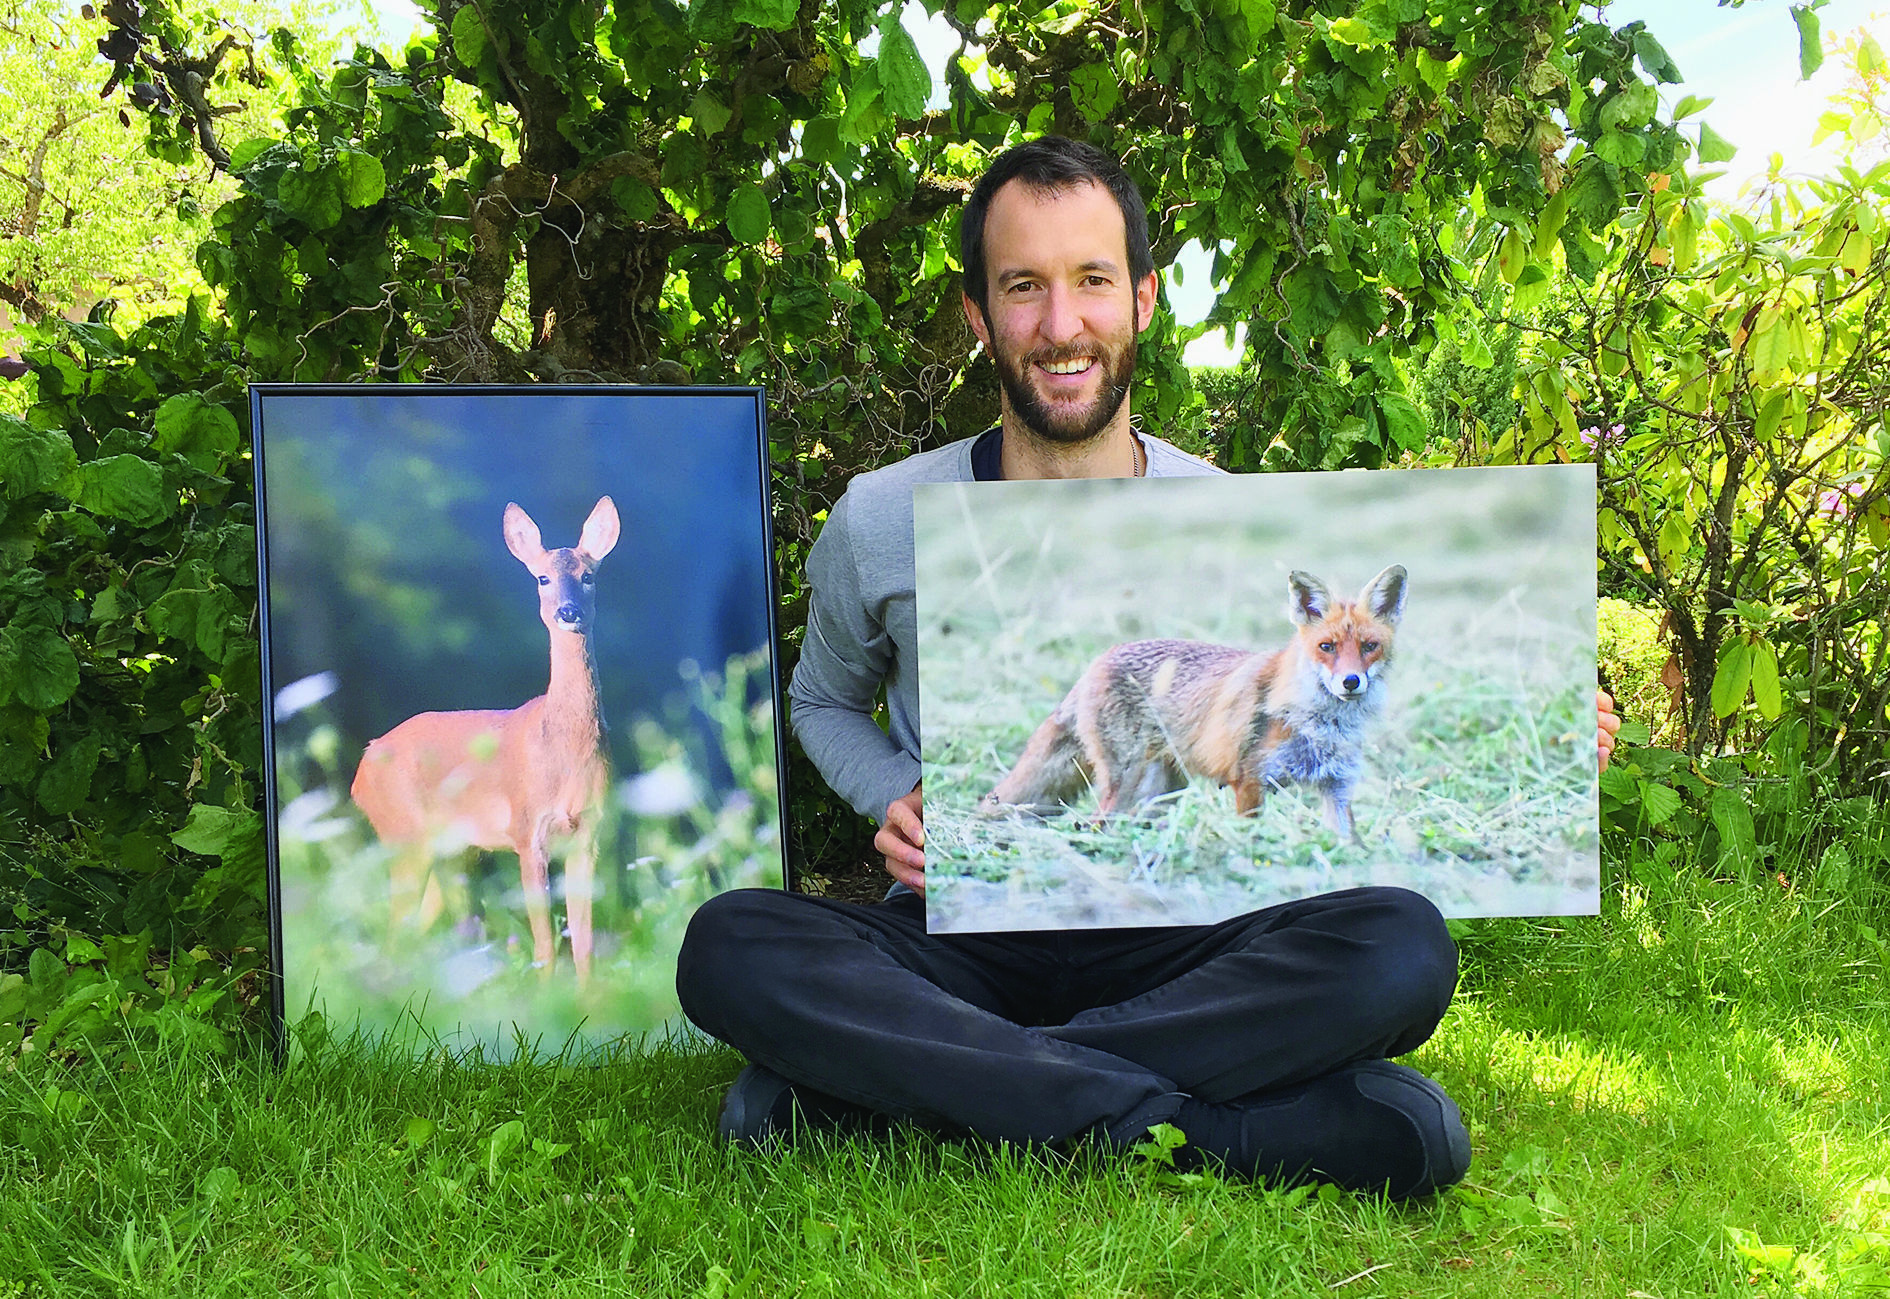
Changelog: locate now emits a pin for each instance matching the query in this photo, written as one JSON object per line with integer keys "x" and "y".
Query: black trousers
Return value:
{"x": 1046, "y": 1036}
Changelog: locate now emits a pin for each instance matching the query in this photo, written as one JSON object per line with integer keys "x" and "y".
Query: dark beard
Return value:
{"x": 1037, "y": 415}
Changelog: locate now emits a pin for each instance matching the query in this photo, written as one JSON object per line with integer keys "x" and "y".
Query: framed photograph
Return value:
{"x": 519, "y": 644}
{"x": 1173, "y": 701}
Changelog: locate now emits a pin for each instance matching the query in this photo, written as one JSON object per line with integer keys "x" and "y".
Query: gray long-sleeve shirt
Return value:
{"x": 863, "y": 628}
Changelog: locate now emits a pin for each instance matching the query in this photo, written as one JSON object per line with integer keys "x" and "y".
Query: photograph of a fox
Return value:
{"x": 523, "y": 724}
{"x": 1172, "y": 701}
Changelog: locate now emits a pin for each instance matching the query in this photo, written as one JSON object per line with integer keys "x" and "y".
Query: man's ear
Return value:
{"x": 1145, "y": 296}
{"x": 975, "y": 318}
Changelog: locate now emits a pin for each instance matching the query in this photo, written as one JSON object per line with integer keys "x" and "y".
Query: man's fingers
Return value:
{"x": 906, "y": 875}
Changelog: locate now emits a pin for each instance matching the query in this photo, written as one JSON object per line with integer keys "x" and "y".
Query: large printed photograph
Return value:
{"x": 1173, "y": 701}
{"x": 518, "y": 647}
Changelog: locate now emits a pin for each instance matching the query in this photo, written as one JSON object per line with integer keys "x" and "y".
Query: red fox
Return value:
{"x": 1148, "y": 714}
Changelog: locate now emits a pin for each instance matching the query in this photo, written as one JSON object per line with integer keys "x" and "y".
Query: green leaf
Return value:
{"x": 904, "y": 80}
{"x": 1094, "y": 90}
{"x": 1532, "y": 288}
{"x": 1630, "y": 110}
{"x": 248, "y": 151}
{"x": 1715, "y": 147}
{"x": 1360, "y": 33}
{"x": 710, "y": 113}
{"x": 1733, "y": 677}
{"x": 67, "y": 780}
{"x": 1403, "y": 421}
{"x": 1769, "y": 346}
{"x": 1512, "y": 255}
{"x": 1691, "y": 104}
{"x": 1770, "y": 415}
{"x": 37, "y": 667}
{"x": 778, "y": 15}
{"x": 1659, "y": 801}
{"x": 1674, "y": 539}
{"x": 363, "y": 179}
{"x": 32, "y": 459}
{"x": 469, "y": 36}
{"x": 195, "y": 428}
{"x": 1620, "y": 148}
{"x": 820, "y": 140}
{"x": 1654, "y": 58}
{"x": 1473, "y": 347}
{"x": 1810, "y": 41}
{"x": 1738, "y": 844}
{"x": 505, "y": 1141}
{"x": 220, "y": 832}
{"x": 124, "y": 487}
{"x": 199, "y": 615}
{"x": 638, "y": 201}
{"x": 1765, "y": 687}
{"x": 748, "y": 216}
{"x": 312, "y": 195}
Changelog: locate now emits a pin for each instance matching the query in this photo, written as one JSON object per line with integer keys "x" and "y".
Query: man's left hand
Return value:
{"x": 1607, "y": 722}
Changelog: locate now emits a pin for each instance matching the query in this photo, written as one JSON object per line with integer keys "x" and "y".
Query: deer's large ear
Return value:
{"x": 521, "y": 535}
{"x": 1308, "y": 600}
{"x": 600, "y": 530}
{"x": 1384, "y": 595}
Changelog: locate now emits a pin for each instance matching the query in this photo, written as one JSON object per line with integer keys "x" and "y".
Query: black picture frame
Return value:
{"x": 385, "y": 514}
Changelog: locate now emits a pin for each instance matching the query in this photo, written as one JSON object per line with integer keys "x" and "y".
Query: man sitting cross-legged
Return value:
{"x": 1264, "y": 1038}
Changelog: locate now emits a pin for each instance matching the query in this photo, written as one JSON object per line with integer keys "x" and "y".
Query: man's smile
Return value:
{"x": 1079, "y": 365}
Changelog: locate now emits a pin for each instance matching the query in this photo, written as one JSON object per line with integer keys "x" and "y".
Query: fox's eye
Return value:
{"x": 1370, "y": 647}
{"x": 1326, "y": 647}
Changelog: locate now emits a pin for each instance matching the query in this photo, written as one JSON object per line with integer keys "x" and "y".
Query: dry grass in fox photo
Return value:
{"x": 1171, "y": 701}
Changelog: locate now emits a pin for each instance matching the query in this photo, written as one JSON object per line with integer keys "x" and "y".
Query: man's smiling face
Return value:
{"x": 1064, "y": 311}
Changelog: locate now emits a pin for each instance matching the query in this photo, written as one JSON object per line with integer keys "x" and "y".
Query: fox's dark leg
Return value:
{"x": 1050, "y": 773}
{"x": 1159, "y": 777}
{"x": 1249, "y": 794}
{"x": 1338, "y": 810}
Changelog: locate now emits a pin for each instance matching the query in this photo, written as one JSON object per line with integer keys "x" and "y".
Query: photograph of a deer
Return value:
{"x": 531, "y": 779}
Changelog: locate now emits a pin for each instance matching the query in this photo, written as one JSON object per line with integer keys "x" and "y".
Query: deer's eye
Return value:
{"x": 544, "y": 580}
{"x": 589, "y": 578}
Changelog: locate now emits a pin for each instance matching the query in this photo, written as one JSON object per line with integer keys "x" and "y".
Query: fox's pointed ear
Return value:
{"x": 1383, "y": 596}
{"x": 1309, "y": 599}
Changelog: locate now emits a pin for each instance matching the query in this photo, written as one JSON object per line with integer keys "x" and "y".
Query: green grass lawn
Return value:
{"x": 1683, "y": 1096}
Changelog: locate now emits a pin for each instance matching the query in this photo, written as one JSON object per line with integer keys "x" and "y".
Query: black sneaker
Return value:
{"x": 762, "y": 1105}
{"x": 1372, "y": 1126}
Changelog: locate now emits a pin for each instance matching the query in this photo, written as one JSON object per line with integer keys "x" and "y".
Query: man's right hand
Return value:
{"x": 901, "y": 838}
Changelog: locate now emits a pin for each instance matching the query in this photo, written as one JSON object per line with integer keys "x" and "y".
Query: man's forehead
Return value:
{"x": 1031, "y": 222}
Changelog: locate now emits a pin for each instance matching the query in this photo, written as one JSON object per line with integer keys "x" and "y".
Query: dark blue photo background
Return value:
{"x": 387, "y": 566}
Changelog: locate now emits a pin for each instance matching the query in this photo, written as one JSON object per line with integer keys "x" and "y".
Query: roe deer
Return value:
{"x": 523, "y": 778}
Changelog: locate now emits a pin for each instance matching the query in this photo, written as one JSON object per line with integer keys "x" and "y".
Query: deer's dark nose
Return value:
{"x": 570, "y": 614}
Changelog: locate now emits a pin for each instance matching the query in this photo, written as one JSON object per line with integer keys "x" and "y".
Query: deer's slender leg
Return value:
{"x": 579, "y": 873}
{"x": 534, "y": 874}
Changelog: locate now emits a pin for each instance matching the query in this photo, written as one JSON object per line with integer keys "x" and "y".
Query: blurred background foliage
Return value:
{"x": 1457, "y": 232}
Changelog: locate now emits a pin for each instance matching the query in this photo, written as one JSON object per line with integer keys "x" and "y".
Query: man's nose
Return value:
{"x": 1062, "y": 320}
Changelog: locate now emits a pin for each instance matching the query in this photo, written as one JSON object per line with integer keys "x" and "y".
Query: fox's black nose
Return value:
{"x": 1353, "y": 682}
